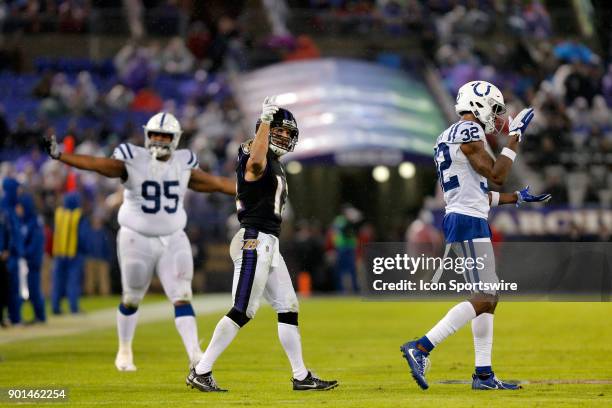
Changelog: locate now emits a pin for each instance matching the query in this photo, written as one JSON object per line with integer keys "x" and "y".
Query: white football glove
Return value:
{"x": 268, "y": 109}
{"x": 51, "y": 147}
{"x": 519, "y": 124}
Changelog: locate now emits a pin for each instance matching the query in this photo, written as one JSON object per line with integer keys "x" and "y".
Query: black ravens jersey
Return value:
{"x": 260, "y": 203}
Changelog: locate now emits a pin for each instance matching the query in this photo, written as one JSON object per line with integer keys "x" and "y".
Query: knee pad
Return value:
{"x": 184, "y": 265}
{"x": 240, "y": 318}
{"x": 135, "y": 274}
{"x": 135, "y": 282}
{"x": 288, "y": 318}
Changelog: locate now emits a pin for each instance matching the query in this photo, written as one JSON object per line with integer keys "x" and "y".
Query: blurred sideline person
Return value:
{"x": 344, "y": 239}
{"x": 423, "y": 238}
{"x": 4, "y": 278}
{"x": 69, "y": 249}
{"x": 15, "y": 263}
{"x": 34, "y": 242}
{"x": 463, "y": 167}
{"x": 97, "y": 266}
{"x": 152, "y": 219}
{"x": 259, "y": 268}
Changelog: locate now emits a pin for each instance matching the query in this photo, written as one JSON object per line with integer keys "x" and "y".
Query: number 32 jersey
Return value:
{"x": 465, "y": 191}
{"x": 154, "y": 190}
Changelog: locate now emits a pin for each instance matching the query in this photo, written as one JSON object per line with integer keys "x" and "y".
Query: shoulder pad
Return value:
{"x": 188, "y": 158}
{"x": 464, "y": 132}
{"x": 245, "y": 148}
{"x": 125, "y": 152}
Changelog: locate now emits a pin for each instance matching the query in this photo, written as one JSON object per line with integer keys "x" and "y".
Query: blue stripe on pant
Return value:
{"x": 247, "y": 273}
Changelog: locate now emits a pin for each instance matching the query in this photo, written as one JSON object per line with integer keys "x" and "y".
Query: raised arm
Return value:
{"x": 207, "y": 183}
{"x": 107, "y": 167}
{"x": 256, "y": 164}
{"x": 494, "y": 170}
{"x": 497, "y": 170}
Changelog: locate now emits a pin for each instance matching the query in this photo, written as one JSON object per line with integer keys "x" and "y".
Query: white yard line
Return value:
{"x": 106, "y": 318}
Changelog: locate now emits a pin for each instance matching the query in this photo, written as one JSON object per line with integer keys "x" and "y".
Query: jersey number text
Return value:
{"x": 151, "y": 192}
{"x": 444, "y": 164}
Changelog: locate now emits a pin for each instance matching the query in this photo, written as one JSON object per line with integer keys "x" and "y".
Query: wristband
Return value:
{"x": 509, "y": 153}
{"x": 494, "y": 198}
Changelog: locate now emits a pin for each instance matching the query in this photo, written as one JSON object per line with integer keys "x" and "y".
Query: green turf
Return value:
{"x": 355, "y": 342}
{"x": 89, "y": 304}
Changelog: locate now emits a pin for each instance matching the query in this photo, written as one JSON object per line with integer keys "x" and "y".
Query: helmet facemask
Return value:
{"x": 488, "y": 115}
{"x": 160, "y": 148}
{"x": 283, "y": 139}
{"x": 163, "y": 124}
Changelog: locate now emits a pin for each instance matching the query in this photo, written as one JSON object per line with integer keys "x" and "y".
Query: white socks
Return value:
{"x": 224, "y": 333}
{"x": 289, "y": 336}
{"x": 482, "y": 330}
{"x": 188, "y": 329}
{"x": 455, "y": 319}
{"x": 126, "y": 326}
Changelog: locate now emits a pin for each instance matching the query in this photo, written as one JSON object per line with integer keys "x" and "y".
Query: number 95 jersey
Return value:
{"x": 465, "y": 191}
{"x": 154, "y": 190}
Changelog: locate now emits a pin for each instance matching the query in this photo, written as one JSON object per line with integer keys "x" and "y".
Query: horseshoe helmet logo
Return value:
{"x": 475, "y": 85}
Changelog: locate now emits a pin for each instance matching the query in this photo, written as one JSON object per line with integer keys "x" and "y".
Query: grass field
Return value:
{"x": 549, "y": 344}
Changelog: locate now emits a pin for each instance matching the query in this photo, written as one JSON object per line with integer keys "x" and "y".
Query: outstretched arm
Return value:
{"x": 107, "y": 167}
{"x": 504, "y": 198}
{"x": 518, "y": 197}
{"x": 207, "y": 183}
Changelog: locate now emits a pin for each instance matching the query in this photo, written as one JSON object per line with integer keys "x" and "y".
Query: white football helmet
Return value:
{"x": 166, "y": 123}
{"x": 484, "y": 100}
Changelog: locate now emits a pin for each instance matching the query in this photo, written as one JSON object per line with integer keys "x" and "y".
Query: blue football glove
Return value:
{"x": 524, "y": 196}
{"x": 518, "y": 125}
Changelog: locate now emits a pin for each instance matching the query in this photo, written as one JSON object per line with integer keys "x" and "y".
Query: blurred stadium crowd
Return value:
{"x": 95, "y": 104}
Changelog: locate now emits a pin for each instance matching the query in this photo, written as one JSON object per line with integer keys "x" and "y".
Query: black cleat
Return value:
{"x": 203, "y": 382}
{"x": 313, "y": 383}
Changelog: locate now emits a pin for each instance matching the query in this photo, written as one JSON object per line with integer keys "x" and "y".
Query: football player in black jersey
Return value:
{"x": 259, "y": 268}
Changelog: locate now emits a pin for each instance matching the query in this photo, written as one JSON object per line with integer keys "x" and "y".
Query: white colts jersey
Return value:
{"x": 465, "y": 191}
{"x": 154, "y": 190}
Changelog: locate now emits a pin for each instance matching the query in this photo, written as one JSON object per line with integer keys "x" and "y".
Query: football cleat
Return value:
{"x": 203, "y": 382}
{"x": 492, "y": 383}
{"x": 312, "y": 383}
{"x": 417, "y": 361}
{"x": 125, "y": 361}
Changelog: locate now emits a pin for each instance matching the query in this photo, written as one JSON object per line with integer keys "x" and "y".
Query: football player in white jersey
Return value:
{"x": 463, "y": 167}
{"x": 152, "y": 218}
